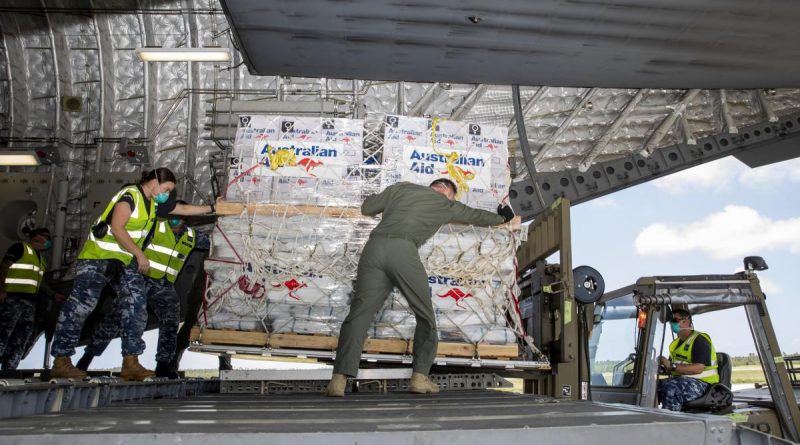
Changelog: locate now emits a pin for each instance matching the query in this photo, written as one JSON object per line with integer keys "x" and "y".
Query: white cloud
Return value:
{"x": 768, "y": 286}
{"x": 735, "y": 232}
{"x": 605, "y": 202}
{"x": 723, "y": 173}
{"x": 771, "y": 175}
{"x": 714, "y": 175}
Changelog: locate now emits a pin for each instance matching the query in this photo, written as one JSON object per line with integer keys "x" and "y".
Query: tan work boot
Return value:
{"x": 421, "y": 384}
{"x": 336, "y": 386}
{"x": 132, "y": 370}
{"x": 63, "y": 369}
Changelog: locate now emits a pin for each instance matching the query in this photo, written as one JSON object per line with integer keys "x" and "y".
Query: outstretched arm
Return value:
{"x": 375, "y": 204}
{"x": 468, "y": 215}
{"x": 190, "y": 210}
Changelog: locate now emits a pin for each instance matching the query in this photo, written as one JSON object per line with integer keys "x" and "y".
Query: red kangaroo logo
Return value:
{"x": 303, "y": 137}
{"x": 491, "y": 146}
{"x": 292, "y": 285}
{"x": 410, "y": 138}
{"x": 346, "y": 140}
{"x": 309, "y": 164}
{"x": 469, "y": 174}
{"x": 450, "y": 142}
{"x": 255, "y": 291}
{"x": 457, "y": 295}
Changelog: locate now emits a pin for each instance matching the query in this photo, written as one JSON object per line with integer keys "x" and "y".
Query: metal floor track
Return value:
{"x": 25, "y": 399}
{"x": 464, "y": 418}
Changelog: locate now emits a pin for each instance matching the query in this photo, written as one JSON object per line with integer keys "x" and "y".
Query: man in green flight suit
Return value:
{"x": 411, "y": 214}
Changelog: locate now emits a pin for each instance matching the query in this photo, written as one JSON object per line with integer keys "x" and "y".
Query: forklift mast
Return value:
{"x": 548, "y": 306}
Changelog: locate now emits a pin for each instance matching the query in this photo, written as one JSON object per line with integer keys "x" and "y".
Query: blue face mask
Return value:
{"x": 175, "y": 222}
{"x": 48, "y": 244}
{"x": 161, "y": 198}
{"x": 676, "y": 327}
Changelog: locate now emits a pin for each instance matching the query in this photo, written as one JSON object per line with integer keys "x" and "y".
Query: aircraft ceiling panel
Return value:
{"x": 593, "y": 43}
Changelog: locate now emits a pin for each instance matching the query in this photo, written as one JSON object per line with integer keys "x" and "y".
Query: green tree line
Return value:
{"x": 745, "y": 360}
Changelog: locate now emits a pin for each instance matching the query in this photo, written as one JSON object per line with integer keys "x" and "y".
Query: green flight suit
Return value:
{"x": 411, "y": 214}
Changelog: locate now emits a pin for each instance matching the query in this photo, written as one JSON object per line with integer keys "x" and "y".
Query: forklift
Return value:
{"x": 638, "y": 317}
{"x": 575, "y": 323}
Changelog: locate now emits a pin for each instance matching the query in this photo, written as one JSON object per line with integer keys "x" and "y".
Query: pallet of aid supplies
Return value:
{"x": 328, "y": 343}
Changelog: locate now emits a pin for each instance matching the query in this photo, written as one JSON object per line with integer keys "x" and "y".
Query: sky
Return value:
{"x": 704, "y": 220}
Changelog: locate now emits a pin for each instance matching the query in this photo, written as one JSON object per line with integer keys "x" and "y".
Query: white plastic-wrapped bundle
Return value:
{"x": 292, "y": 246}
{"x": 297, "y": 160}
{"x": 393, "y": 323}
{"x": 228, "y": 300}
{"x": 305, "y": 319}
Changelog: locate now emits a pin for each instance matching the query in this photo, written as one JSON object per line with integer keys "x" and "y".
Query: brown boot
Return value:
{"x": 336, "y": 386}
{"x": 63, "y": 369}
{"x": 421, "y": 384}
{"x": 132, "y": 370}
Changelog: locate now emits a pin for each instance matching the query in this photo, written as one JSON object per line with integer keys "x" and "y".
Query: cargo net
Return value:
{"x": 283, "y": 268}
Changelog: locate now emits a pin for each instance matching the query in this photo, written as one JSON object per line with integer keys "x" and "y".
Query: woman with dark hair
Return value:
{"x": 113, "y": 250}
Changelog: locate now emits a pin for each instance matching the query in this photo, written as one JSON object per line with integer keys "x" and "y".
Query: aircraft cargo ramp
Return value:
{"x": 465, "y": 417}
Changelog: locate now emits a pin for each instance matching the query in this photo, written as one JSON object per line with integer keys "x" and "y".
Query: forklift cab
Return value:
{"x": 630, "y": 331}
{"x": 619, "y": 380}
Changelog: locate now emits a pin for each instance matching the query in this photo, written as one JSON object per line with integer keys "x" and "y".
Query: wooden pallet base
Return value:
{"x": 229, "y": 337}
{"x": 327, "y": 343}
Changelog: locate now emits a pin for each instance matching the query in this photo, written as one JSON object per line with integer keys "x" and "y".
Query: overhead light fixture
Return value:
{"x": 184, "y": 54}
{"x": 18, "y": 158}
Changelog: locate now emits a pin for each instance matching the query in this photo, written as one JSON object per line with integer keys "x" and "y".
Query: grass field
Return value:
{"x": 747, "y": 374}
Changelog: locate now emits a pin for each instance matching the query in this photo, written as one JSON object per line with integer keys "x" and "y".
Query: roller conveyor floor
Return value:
{"x": 469, "y": 417}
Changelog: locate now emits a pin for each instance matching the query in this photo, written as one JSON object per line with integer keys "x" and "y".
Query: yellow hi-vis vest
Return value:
{"x": 25, "y": 276}
{"x": 683, "y": 354}
{"x": 167, "y": 254}
{"x": 138, "y": 226}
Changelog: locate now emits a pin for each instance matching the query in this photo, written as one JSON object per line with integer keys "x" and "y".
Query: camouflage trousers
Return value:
{"x": 673, "y": 393}
{"x": 90, "y": 278}
{"x": 163, "y": 301}
{"x": 16, "y": 326}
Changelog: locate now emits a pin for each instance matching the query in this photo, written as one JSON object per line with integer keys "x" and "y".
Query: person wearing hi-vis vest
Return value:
{"x": 692, "y": 364}
{"x": 113, "y": 251}
{"x": 21, "y": 280}
{"x": 170, "y": 246}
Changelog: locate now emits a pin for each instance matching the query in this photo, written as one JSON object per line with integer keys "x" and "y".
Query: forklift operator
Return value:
{"x": 692, "y": 364}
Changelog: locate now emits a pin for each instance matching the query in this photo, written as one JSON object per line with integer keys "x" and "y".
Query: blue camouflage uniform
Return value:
{"x": 90, "y": 278}
{"x": 16, "y": 326}
{"x": 673, "y": 393}
{"x": 23, "y": 283}
{"x": 162, "y": 300}
{"x": 102, "y": 260}
{"x": 16, "y": 346}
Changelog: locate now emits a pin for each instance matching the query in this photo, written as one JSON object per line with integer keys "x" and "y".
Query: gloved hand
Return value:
{"x": 506, "y": 212}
